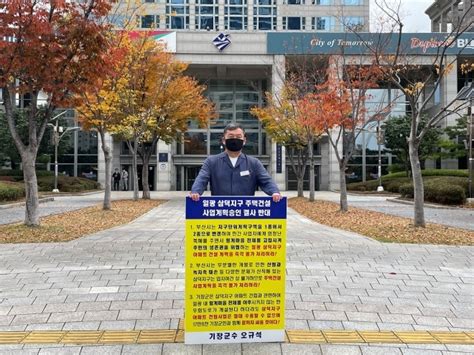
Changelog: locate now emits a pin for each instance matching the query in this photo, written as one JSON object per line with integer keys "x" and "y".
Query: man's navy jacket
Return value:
{"x": 226, "y": 180}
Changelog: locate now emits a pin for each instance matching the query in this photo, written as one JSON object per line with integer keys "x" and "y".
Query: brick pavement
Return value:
{"x": 131, "y": 277}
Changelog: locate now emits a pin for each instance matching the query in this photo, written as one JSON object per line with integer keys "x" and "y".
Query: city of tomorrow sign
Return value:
{"x": 364, "y": 43}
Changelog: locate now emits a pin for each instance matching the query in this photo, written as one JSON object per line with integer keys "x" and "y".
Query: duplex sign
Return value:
{"x": 364, "y": 43}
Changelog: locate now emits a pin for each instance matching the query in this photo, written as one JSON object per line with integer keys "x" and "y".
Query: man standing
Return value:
{"x": 116, "y": 178}
{"x": 232, "y": 172}
{"x": 125, "y": 179}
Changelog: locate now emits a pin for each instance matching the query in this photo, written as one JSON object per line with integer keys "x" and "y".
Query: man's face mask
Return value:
{"x": 234, "y": 144}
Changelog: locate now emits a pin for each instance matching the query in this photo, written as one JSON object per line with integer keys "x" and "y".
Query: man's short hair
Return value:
{"x": 233, "y": 127}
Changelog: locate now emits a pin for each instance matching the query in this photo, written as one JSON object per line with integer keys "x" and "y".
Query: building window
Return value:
{"x": 149, "y": 1}
{"x": 207, "y": 14}
{"x": 265, "y": 15}
{"x": 293, "y": 23}
{"x": 293, "y": 2}
{"x": 150, "y": 21}
{"x": 354, "y": 23}
{"x": 323, "y": 2}
{"x": 235, "y": 15}
{"x": 325, "y": 23}
{"x": 177, "y": 14}
{"x": 353, "y": 2}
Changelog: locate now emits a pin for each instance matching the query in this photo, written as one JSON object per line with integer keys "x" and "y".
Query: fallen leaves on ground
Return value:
{"x": 75, "y": 224}
{"x": 380, "y": 226}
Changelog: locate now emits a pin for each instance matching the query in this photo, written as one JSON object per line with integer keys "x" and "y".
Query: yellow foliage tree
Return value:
{"x": 156, "y": 103}
{"x": 99, "y": 106}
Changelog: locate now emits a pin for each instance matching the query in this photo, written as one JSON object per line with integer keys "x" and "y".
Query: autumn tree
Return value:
{"x": 419, "y": 83}
{"x": 173, "y": 100}
{"x": 338, "y": 107}
{"x": 50, "y": 48}
{"x": 99, "y": 107}
{"x": 156, "y": 102}
{"x": 283, "y": 121}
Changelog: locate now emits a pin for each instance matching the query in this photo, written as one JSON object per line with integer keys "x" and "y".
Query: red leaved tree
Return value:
{"x": 338, "y": 107}
{"x": 49, "y": 49}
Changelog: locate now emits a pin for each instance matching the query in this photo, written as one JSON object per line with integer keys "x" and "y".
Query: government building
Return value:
{"x": 241, "y": 49}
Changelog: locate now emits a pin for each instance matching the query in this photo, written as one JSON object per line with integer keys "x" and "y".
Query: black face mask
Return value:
{"x": 234, "y": 144}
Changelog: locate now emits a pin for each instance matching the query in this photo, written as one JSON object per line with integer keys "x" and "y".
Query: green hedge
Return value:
{"x": 431, "y": 172}
{"x": 391, "y": 185}
{"x": 67, "y": 184}
{"x": 11, "y": 191}
{"x": 392, "y": 182}
{"x": 450, "y": 191}
{"x": 19, "y": 173}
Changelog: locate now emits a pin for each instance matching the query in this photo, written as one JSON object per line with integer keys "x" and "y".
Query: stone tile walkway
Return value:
{"x": 132, "y": 277}
{"x": 455, "y": 217}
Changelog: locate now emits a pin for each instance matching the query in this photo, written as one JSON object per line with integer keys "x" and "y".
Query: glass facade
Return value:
{"x": 324, "y": 23}
{"x": 323, "y": 2}
{"x": 235, "y": 15}
{"x": 364, "y": 162}
{"x": 78, "y": 150}
{"x": 207, "y": 14}
{"x": 150, "y": 21}
{"x": 252, "y": 15}
{"x": 353, "y": 2}
{"x": 353, "y": 22}
{"x": 177, "y": 14}
{"x": 294, "y": 23}
{"x": 265, "y": 15}
{"x": 233, "y": 100}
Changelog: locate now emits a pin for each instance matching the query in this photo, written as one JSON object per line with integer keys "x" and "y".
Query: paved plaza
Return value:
{"x": 132, "y": 277}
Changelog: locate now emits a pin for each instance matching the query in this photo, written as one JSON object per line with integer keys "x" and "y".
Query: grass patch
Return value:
{"x": 75, "y": 224}
{"x": 380, "y": 226}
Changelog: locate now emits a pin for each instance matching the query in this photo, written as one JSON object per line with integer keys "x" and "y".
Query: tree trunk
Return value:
{"x": 299, "y": 182}
{"x": 108, "y": 174}
{"x": 146, "y": 155}
{"x": 343, "y": 195}
{"x": 133, "y": 148}
{"x": 407, "y": 164}
{"x": 299, "y": 168}
{"x": 31, "y": 189}
{"x": 311, "y": 169}
{"x": 418, "y": 188}
{"x": 146, "y": 187}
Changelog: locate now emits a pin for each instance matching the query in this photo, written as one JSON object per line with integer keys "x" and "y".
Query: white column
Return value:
{"x": 221, "y": 15}
{"x": 335, "y": 63}
{"x": 333, "y": 164}
{"x": 163, "y": 169}
{"x": 192, "y": 14}
{"x": 278, "y": 80}
{"x": 101, "y": 159}
{"x": 449, "y": 90}
{"x": 324, "y": 171}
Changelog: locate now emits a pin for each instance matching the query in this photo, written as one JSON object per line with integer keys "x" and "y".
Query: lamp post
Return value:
{"x": 58, "y": 134}
{"x": 379, "y": 168}
{"x": 467, "y": 94}
{"x": 471, "y": 158}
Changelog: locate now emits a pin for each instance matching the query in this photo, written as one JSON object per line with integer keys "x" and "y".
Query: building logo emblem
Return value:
{"x": 222, "y": 41}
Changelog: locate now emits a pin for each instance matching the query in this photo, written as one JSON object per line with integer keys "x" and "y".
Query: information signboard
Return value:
{"x": 235, "y": 270}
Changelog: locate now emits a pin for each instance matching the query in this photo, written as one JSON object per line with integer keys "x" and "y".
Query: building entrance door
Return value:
{"x": 292, "y": 182}
{"x": 190, "y": 174}
{"x": 185, "y": 176}
{"x": 151, "y": 177}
